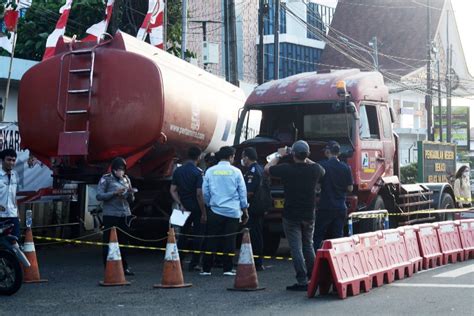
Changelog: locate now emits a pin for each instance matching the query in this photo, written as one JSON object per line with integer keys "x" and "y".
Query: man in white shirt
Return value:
{"x": 8, "y": 187}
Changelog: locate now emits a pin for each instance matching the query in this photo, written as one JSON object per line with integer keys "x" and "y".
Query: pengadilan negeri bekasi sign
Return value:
{"x": 436, "y": 161}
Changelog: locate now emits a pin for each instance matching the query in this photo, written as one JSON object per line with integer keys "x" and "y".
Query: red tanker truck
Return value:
{"x": 351, "y": 107}
{"x": 123, "y": 97}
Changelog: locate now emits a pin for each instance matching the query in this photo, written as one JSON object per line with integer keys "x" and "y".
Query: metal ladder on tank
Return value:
{"x": 76, "y": 142}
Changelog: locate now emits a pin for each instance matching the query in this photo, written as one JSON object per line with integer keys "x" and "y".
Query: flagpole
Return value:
{"x": 7, "y": 92}
{"x": 165, "y": 22}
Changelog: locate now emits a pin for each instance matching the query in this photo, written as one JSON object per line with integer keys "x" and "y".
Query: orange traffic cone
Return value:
{"x": 31, "y": 274}
{"x": 172, "y": 274}
{"x": 246, "y": 277}
{"x": 114, "y": 275}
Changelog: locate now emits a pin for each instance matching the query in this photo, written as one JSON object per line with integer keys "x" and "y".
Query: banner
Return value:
{"x": 33, "y": 175}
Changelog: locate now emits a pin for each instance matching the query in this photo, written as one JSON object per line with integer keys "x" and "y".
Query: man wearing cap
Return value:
{"x": 332, "y": 208}
{"x": 299, "y": 185}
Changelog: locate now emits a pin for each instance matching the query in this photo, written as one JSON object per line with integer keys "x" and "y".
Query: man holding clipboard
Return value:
{"x": 186, "y": 190}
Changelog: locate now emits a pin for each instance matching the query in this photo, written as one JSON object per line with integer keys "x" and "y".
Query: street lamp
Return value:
{"x": 373, "y": 54}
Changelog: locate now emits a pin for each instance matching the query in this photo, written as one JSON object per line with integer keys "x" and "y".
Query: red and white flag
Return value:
{"x": 96, "y": 30}
{"x": 10, "y": 17}
{"x": 58, "y": 31}
{"x": 153, "y": 23}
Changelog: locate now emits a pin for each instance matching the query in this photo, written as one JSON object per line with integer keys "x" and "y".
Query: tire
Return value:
{"x": 11, "y": 274}
{"x": 271, "y": 243}
{"x": 372, "y": 224}
{"x": 447, "y": 202}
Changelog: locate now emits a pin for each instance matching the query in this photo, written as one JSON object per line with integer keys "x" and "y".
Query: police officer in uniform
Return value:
{"x": 253, "y": 178}
{"x": 116, "y": 193}
{"x": 331, "y": 213}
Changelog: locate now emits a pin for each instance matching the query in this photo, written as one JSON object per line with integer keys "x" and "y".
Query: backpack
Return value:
{"x": 262, "y": 200}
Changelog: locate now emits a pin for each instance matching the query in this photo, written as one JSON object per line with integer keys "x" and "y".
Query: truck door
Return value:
{"x": 387, "y": 140}
{"x": 372, "y": 148}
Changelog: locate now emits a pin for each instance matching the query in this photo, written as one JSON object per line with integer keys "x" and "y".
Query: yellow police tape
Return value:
{"x": 93, "y": 243}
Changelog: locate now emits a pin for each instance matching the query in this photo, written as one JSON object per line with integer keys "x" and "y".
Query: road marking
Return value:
{"x": 432, "y": 269}
{"x": 457, "y": 272}
{"x": 457, "y": 286}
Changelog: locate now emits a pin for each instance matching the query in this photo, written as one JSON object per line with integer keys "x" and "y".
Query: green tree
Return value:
{"x": 409, "y": 173}
{"x": 41, "y": 18}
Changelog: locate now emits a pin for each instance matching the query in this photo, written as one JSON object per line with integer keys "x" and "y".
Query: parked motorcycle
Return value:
{"x": 11, "y": 273}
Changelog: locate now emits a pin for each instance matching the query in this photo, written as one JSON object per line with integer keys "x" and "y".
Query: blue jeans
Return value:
{"x": 300, "y": 239}
{"x": 15, "y": 221}
{"x": 329, "y": 224}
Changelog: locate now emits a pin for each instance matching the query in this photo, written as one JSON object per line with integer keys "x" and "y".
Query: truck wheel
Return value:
{"x": 372, "y": 224}
{"x": 271, "y": 243}
{"x": 447, "y": 202}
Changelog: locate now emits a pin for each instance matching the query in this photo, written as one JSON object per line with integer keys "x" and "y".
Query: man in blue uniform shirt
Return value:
{"x": 225, "y": 193}
{"x": 337, "y": 181}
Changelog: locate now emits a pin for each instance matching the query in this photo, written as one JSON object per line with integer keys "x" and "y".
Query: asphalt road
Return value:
{"x": 74, "y": 273}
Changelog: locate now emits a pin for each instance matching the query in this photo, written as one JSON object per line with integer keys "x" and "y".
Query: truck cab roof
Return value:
{"x": 312, "y": 86}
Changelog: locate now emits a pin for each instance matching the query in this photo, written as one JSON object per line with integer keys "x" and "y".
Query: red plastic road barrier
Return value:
{"x": 466, "y": 232}
{"x": 396, "y": 253}
{"x": 450, "y": 242}
{"x": 411, "y": 242}
{"x": 376, "y": 264}
{"x": 429, "y": 246}
{"x": 343, "y": 259}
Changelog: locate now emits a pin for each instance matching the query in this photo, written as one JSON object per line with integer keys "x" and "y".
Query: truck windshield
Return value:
{"x": 286, "y": 123}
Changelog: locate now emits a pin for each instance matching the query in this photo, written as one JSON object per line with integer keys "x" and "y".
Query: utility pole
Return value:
{"x": 261, "y": 30}
{"x": 276, "y": 32}
{"x": 204, "y": 30}
{"x": 233, "y": 69}
{"x": 184, "y": 27}
{"x": 449, "y": 92}
{"x": 440, "y": 115}
{"x": 374, "y": 44}
{"x": 429, "y": 92}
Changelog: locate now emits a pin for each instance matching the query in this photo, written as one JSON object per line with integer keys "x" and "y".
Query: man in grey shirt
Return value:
{"x": 116, "y": 193}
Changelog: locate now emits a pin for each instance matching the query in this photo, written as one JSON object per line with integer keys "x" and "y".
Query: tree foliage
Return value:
{"x": 40, "y": 20}
{"x": 409, "y": 173}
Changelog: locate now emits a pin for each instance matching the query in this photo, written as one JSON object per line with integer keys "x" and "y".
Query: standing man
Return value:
{"x": 8, "y": 188}
{"x": 332, "y": 209}
{"x": 253, "y": 177}
{"x": 225, "y": 193}
{"x": 299, "y": 185}
{"x": 186, "y": 190}
{"x": 116, "y": 193}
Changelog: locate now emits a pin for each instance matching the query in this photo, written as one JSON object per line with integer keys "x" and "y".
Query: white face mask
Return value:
{"x": 119, "y": 173}
{"x": 242, "y": 162}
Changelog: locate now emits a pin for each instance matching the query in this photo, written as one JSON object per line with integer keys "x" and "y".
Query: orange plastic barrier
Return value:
{"x": 450, "y": 242}
{"x": 466, "y": 232}
{"x": 339, "y": 263}
{"x": 372, "y": 249}
{"x": 396, "y": 253}
{"x": 429, "y": 245}
{"x": 411, "y": 243}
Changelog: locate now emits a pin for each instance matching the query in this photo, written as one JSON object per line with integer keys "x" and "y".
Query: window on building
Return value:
{"x": 369, "y": 124}
{"x": 407, "y": 114}
{"x": 318, "y": 18}
{"x": 294, "y": 59}
{"x": 270, "y": 18}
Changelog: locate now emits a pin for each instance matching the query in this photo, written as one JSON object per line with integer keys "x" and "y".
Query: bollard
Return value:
{"x": 349, "y": 225}
{"x": 386, "y": 222}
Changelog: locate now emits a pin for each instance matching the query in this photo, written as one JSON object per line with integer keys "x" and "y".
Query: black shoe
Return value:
{"x": 297, "y": 287}
{"x": 128, "y": 272}
{"x": 194, "y": 267}
{"x": 260, "y": 268}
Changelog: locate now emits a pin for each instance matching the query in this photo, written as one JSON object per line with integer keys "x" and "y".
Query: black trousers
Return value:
{"x": 192, "y": 226}
{"x": 329, "y": 224}
{"x": 255, "y": 224}
{"x": 124, "y": 224}
{"x": 220, "y": 225}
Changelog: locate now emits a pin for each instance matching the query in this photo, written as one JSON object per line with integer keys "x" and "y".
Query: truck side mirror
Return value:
{"x": 392, "y": 114}
{"x": 351, "y": 108}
